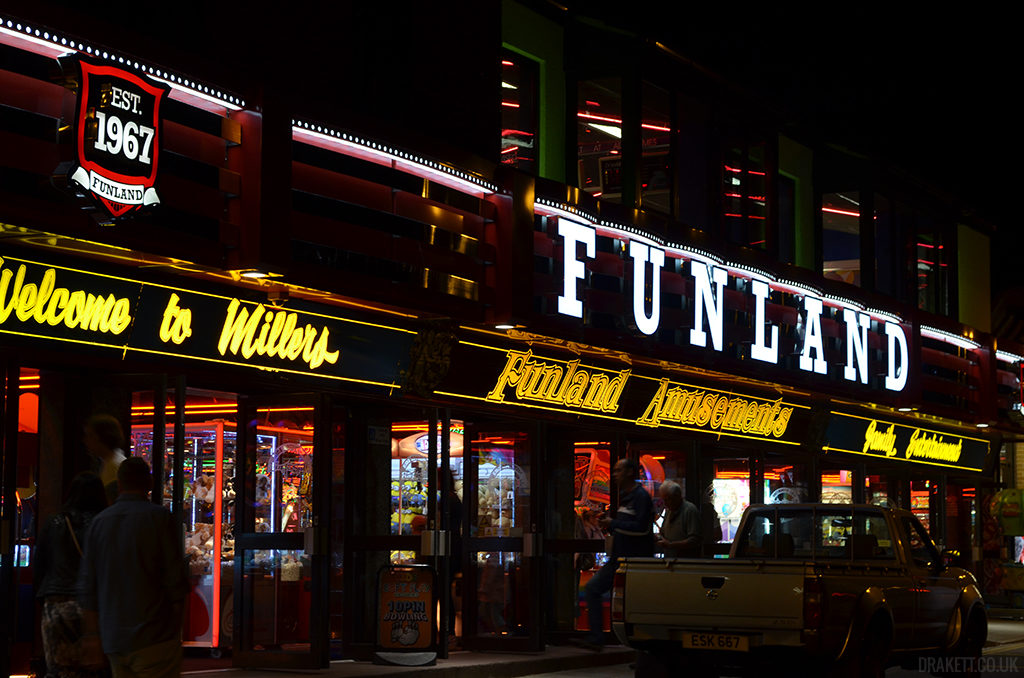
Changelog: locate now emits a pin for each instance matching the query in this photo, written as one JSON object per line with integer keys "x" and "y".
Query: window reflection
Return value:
{"x": 520, "y": 108}
{"x": 655, "y": 135}
{"x": 744, "y": 189}
{"x": 599, "y": 137}
{"x": 840, "y": 219}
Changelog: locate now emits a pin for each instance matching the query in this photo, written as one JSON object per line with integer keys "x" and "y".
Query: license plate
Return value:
{"x": 716, "y": 641}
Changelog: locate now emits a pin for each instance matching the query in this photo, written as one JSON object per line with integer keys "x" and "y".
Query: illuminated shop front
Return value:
{"x": 312, "y": 332}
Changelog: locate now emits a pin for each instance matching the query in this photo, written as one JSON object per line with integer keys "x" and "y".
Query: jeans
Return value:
{"x": 593, "y": 593}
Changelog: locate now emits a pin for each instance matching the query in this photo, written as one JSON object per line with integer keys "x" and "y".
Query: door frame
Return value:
{"x": 528, "y": 545}
{"x": 314, "y": 540}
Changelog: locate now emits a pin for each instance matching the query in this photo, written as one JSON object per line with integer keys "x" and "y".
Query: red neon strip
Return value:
{"x": 924, "y": 244}
{"x": 740, "y": 216}
{"x": 509, "y": 104}
{"x": 510, "y": 149}
{"x": 618, "y": 121}
{"x": 592, "y": 103}
{"x": 602, "y": 118}
{"x": 925, "y": 261}
{"x": 833, "y": 210}
{"x": 506, "y": 63}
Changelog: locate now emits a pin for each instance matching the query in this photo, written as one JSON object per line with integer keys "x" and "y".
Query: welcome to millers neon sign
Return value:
{"x": 708, "y": 305}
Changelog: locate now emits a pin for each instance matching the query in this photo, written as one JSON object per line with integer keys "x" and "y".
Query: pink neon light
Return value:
{"x": 218, "y": 522}
{"x": 833, "y": 210}
{"x": 924, "y": 244}
{"x": 593, "y": 103}
{"x": 506, "y": 63}
{"x": 925, "y": 261}
{"x": 510, "y": 149}
{"x": 738, "y": 171}
{"x": 617, "y": 121}
{"x": 510, "y": 104}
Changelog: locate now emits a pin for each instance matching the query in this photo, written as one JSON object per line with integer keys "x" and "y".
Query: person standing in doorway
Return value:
{"x": 680, "y": 531}
{"x": 104, "y": 439}
{"x": 631, "y": 532}
{"x": 133, "y": 582}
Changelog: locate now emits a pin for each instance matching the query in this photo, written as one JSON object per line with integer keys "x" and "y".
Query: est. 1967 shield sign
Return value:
{"x": 117, "y": 136}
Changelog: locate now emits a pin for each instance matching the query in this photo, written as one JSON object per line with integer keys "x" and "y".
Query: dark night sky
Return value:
{"x": 931, "y": 93}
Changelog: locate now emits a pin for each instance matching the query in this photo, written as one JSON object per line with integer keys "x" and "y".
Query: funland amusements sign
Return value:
{"x": 710, "y": 277}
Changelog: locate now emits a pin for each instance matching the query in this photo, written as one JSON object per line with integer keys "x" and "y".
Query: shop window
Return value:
{"x": 410, "y": 450}
{"x": 503, "y": 484}
{"x": 503, "y": 593}
{"x": 920, "y": 501}
{"x": 784, "y": 483}
{"x": 599, "y": 137}
{"x": 840, "y": 236}
{"x": 592, "y": 497}
{"x": 744, "y": 194}
{"x": 876, "y": 491}
{"x": 655, "y": 161}
{"x": 837, "y": 486}
{"x": 520, "y": 111}
{"x": 730, "y": 494}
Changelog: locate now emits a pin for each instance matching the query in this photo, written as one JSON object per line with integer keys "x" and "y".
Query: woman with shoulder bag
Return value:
{"x": 58, "y": 556}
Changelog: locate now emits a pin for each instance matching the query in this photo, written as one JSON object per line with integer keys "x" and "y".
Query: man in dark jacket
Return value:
{"x": 133, "y": 582}
{"x": 631, "y": 536}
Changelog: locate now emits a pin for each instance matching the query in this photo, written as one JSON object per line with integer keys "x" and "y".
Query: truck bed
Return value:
{"x": 739, "y": 595}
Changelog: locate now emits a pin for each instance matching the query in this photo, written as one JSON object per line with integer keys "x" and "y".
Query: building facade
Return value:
{"x": 332, "y": 286}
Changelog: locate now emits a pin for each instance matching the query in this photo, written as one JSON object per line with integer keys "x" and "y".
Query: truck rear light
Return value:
{"x": 618, "y": 596}
{"x": 813, "y": 613}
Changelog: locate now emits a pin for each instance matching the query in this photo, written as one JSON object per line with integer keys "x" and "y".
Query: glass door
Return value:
{"x": 502, "y": 562}
{"x": 281, "y": 568}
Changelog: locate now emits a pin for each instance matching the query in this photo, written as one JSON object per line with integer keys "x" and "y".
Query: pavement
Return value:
{"x": 460, "y": 664}
{"x": 1005, "y": 638}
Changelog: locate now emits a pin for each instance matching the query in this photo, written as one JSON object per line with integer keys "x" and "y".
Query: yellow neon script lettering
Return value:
{"x": 933, "y": 447}
{"x": 570, "y": 386}
{"x": 273, "y": 334}
{"x": 715, "y": 411}
{"x": 48, "y": 304}
{"x": 880, "y": 441}
{"x": 176, "y": 326}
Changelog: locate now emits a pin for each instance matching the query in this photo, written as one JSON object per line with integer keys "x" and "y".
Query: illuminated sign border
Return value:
{"x": 71, "y": 305}
{"x": 634, "y": 396}
{"x": 846, "y": 431}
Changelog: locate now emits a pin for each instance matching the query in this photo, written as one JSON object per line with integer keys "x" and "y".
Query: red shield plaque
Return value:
{"x": 117, "y": 136}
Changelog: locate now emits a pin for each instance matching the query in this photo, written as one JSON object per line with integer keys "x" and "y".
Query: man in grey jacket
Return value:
{"x": 133, "y": 582}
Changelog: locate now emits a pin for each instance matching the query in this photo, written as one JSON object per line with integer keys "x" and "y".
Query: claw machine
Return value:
{"x": 207, "y": 512}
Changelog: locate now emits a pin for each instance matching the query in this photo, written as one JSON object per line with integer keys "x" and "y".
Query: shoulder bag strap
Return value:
{"x": 71, "y": 530}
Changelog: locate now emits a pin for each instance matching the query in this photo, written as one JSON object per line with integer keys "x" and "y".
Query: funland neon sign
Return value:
{"x": 708, "y": 303}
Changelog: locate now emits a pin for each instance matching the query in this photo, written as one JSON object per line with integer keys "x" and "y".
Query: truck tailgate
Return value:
{"x": 734, "y": 594}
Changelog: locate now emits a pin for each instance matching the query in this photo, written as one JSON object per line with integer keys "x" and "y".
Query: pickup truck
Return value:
{"x": 806, "y": 588}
